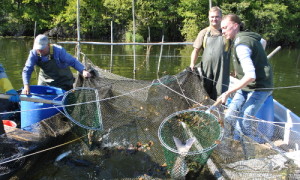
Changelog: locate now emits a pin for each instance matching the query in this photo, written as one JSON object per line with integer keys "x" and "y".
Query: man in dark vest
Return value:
{"x": 254, "y": 73}
{"x": 215, "y": 57}
{"x": 54, "y": 63}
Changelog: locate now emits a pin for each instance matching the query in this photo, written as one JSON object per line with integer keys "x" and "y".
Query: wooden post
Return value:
{"x": 161, "y": 49}
{"x": 78, "y": 30}
{"x": 111, "y": 47}
{"x": 148, "y": 49}
{"x": 133, "y": 38}
{"x": 34, "y": 34}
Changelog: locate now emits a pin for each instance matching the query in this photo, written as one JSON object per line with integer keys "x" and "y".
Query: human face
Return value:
{"x": 229, "y": 28}
{"x": 43, "y": 52}
{"x": 214, "y": 18}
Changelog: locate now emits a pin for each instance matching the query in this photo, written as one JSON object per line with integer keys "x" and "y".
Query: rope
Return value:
{"x": 274, "y": 88}
{"x": 38, "y": 152}
{"x": 154, "y": 82}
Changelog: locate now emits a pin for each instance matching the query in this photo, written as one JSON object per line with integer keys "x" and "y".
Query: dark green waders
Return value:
{"x": 51, "y": 75}
{"x": 215, "y": 66}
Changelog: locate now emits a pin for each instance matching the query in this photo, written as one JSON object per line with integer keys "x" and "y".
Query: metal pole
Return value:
{"x": 210, "y": 4}
{"x": 78, "y": 30}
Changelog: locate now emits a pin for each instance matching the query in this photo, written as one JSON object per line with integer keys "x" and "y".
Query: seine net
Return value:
{"x": 129, "y": 147}
{"x": 16, "y": 143}
{"x": 133, "y": 110}
{"x": 9, "y": 157}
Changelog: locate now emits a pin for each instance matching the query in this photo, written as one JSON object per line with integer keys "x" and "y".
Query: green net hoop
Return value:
{"x": 82, "y": 106}
{"x": 204, "y": 127}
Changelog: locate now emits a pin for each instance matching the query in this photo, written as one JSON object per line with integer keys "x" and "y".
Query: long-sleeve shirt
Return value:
{"x": 244, "y": 54}
{"x": 62, "y": 58}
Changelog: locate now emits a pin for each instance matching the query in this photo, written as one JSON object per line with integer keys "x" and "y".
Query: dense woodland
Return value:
{"x": 176, "y": 20}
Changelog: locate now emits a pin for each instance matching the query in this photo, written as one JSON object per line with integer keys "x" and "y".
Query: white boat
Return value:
{"x": 276, "y": 158}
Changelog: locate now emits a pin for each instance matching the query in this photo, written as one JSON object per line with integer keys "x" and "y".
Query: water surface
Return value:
{"x": 175, "y": 58}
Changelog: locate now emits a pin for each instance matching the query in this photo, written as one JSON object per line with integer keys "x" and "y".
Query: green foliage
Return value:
{"x": 129, "y": 37}
{"x": 268, "y": 20}
{"x": 176, "y": 20}
{"x": 195, "y": 17}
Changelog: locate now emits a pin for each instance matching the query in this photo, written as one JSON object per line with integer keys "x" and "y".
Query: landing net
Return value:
{"x": 133, "y": 110}
{"x": 82, "y": 107}
{"x": 203, "y": 128}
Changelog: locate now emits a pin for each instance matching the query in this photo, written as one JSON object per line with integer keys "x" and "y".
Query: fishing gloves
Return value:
{"x": 14, "y": 95}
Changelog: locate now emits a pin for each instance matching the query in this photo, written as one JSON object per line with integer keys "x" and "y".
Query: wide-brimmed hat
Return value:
{"x": 40, "y": 42}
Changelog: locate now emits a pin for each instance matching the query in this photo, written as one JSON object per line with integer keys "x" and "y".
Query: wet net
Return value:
{"x": 133, "y": 110}
{"x": 82, "y": 107}
{"x": 129, "y": 147}
{"x": 9, "y": 157}
{"x": 203, "y": 128}
{"x": 16, "y": 143}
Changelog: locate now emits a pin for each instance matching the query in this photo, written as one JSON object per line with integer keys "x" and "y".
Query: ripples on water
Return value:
{"x": 14, "y": 52}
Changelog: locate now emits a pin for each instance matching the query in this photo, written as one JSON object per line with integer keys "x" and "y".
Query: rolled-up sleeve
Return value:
{"x": 29, "y": 67}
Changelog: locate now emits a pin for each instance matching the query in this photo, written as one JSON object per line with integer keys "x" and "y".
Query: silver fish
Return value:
{"x": 63, "y": 155}
{"x": 180, "y": 168}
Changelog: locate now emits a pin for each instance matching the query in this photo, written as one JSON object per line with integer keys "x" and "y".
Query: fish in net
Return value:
{"x": 133, "y": 110}
{"x": 201, "y": 128}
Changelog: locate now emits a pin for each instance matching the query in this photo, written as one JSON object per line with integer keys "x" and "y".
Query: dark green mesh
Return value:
{"x": 187, "y": 124}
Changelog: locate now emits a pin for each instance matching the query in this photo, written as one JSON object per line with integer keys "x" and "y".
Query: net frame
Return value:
{"x": 200, "y": 151}
{"x": 65, "y": 105}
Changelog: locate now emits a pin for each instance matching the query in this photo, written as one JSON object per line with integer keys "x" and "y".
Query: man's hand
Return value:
{"x": 85, "y": 73}
{"x": 225, "y": 96}
{"x": 14, "y": 95}
{"x": 26, "y": 89}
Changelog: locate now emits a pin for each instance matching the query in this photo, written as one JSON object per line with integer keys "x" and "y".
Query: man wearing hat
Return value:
{"x": 54, "y": 63}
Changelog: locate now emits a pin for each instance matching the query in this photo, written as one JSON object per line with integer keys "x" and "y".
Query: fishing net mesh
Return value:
{"x": 203, "y": 126}
{"x": 82, "y": 106}
{"x": 133, "y": 110}
{"x": 16, "y": 143}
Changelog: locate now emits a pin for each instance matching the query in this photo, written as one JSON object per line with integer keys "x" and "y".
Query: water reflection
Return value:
{"x": 286, "y": 64}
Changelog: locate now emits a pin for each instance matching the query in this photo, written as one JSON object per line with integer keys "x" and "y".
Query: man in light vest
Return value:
{"x": 54, "y": 63}
{"x": 215, "y": 57}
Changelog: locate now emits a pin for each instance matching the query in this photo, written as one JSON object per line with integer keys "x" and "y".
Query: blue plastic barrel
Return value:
{"x": 39, "y": 92}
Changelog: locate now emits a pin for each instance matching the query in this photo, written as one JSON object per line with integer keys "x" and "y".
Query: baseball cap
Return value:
{"x": 40, "y": 42}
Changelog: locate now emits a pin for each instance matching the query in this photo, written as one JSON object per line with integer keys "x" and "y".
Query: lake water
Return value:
{"x": 175, "y": 58}
{"x": 14, "y": 52}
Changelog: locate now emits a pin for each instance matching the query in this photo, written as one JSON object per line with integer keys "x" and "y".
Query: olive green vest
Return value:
{"x": 263, "y": 70}
{"x": 215, "y": 65}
